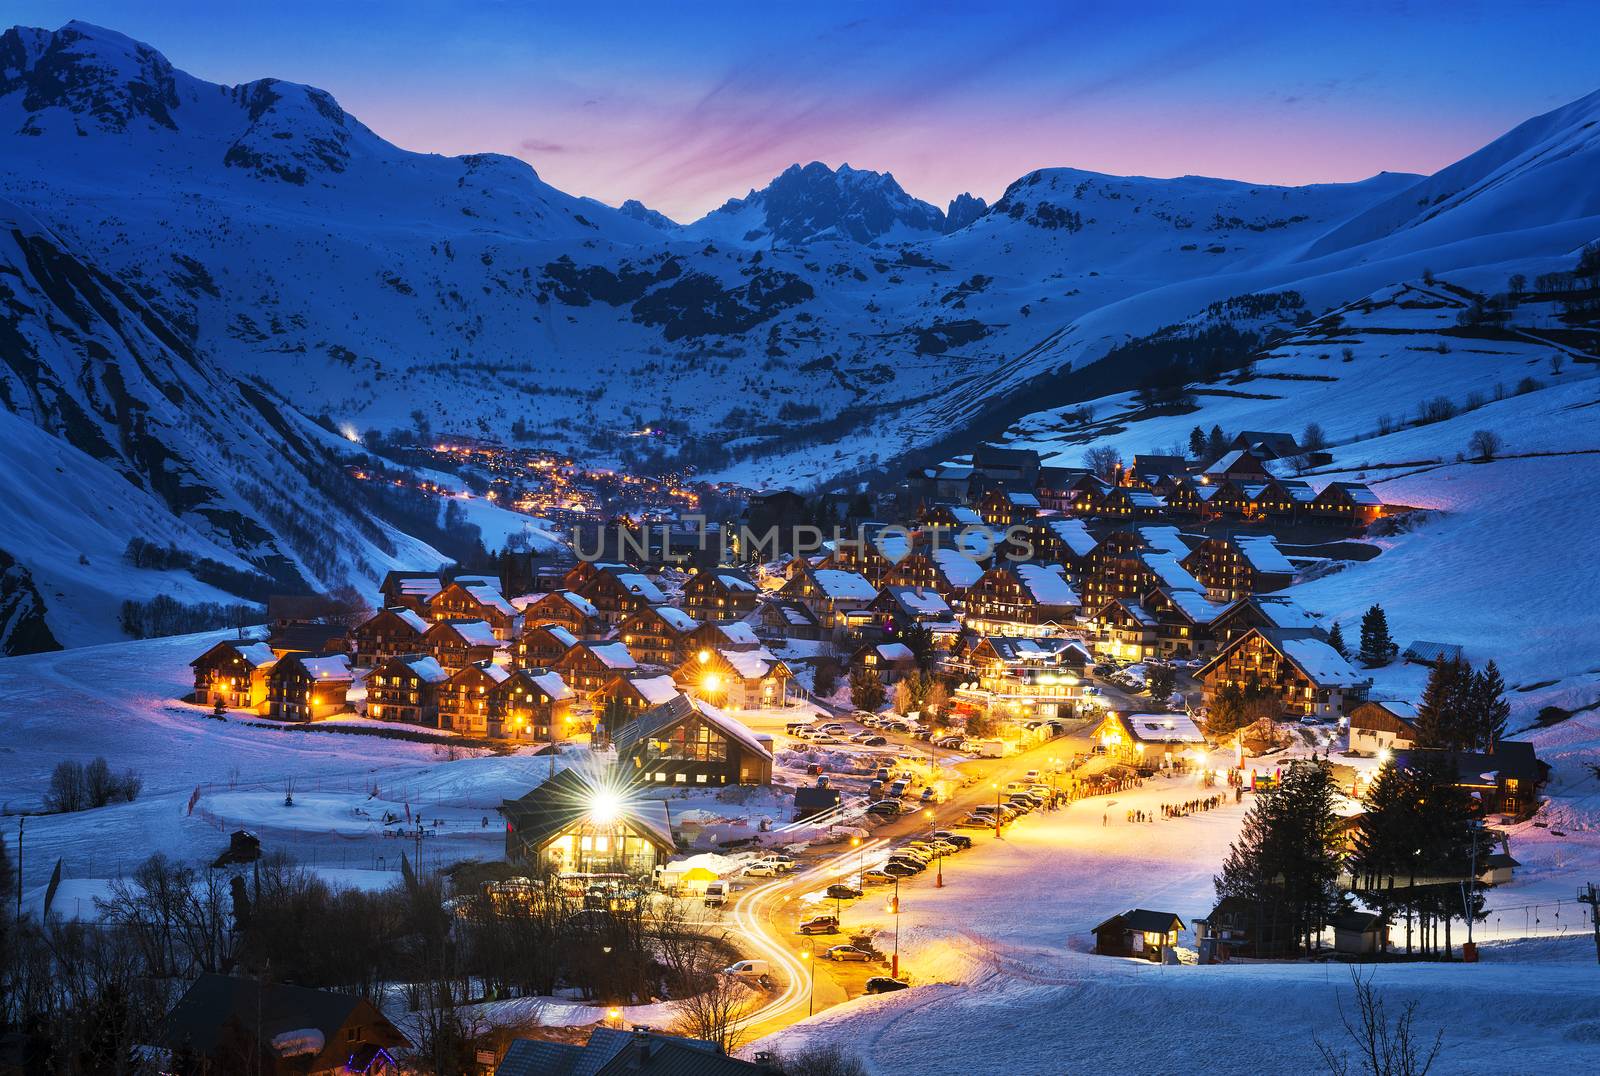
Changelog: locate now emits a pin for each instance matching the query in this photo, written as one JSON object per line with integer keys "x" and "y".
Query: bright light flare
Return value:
{"x": 605, "y": 807}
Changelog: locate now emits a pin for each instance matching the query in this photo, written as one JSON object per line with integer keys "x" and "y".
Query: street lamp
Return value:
{"x": 997, "y": 816}
{"x": 811, "y": 1000}
{"x": 894, "y": 965}
{"x": 861, "y": 864}
{"x": 938, "y": 878}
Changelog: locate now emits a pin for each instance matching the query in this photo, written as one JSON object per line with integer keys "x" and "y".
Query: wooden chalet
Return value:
{"x": 785, "y": 618}
{"x": 893, "y": 662}
{"x": 234, "y": 671}
{"x": 1152, "y": 471}
{"x": 1347, "y": 502}
{"x": 946, "y": 570}
{"x": 1385, "y": 725}
{"x": 720, "y": 594}
{"x": 1267, "y": 444}
{"x": 227, "y": 1024}
{"x": 1062, "y": 540}
{"x": 657, "y": 634}
{"x": 455, "y": 644}
{"x": 830, "y": 594}
{"x": 864, "y": 557}
{"x": 1273, "y": 501}
{"x": 631, "y": 693}
{"x": 1054, "y": 486}
{"x": 1183, "y": 498}
{"x": 1015, "y": 675}
{"x": 896, "y": 607}
{"x": 531, "y": 705}
{"x": 1122, "y": 502}
{"x": 308, "y": 687}
{"x": 542, "y": 645}
{"x": 736, "y": 679}
{"x": 1133, "y": 561}
{"x": 687, "y": 741}
{"x": 1138, "y": 932}
{"x": 580, "y": 573}
{"x": 1185, "y": 622}
{"x": 1304, "y": 674}
{"x": 388, "y": 633}
{"x": 1008, "y": 507}
{"x": 1237, "y": 465}
{"x": 464, "y": 699}
{"x": 1124, "y": 629}
{"x": 1011, "y": 468}
{"x": 1274, "y": 612}
{"x": 1239, "y": 926}
{"x": 589, "y": 666}
{"x": 582, "y": 826}
{"x": 1505, "y": 781}
{"x": 616, "y": 593}
{"x": 1229, "y": 498}
{"x": 1148, "y": 741}
{"x": 734, "y": 635}
{"x": 460, "y": 601}
{"x": 406, "y": 689}
{"x": 1238, "y": 566}
{"x": 306, "y": 637}
{"x": 1021, "y": 599}
{"x": 410, "y": 590}
{"x": 952, "y": 517}
{"x": 572, "y": 611}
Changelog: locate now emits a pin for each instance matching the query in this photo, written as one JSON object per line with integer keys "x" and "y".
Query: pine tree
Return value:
{"x": 1377, "y": 648}
{"x": 1160, "y": 680}
{"x": 1216, "y": 444}
{"x": 918, "y": 638}
{"x": 1197, "y": 443}
{"x": 1443, "y": 716}
{"x": 1488, "y": 708}
{"x": 1336, "y": 640}
{"x": 1384, "y": 854}
{"x": 218, "y": 711}
{"x": 866, "y": 689}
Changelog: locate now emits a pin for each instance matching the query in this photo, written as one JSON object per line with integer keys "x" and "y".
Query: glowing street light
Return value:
{"x": 811, "y": 998}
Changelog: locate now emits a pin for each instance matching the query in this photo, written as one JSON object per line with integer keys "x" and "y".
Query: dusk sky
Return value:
{"x": 686, "y": 105}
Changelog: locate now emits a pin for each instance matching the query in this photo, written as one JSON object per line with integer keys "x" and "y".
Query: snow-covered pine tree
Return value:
{"x": 1336, "y": 640}
{"x": 1377, "y": 648}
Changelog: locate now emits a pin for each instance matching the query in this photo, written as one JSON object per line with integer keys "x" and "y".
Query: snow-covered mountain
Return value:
{"x": 820, "y": 326}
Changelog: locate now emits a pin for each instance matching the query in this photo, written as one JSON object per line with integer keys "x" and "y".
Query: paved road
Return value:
{"x": 765, "y": 916}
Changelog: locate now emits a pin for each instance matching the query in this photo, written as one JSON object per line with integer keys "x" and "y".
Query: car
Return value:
{"x": 876, "y": 877}
{"x": 920, "y": 852}
{"x": 975, "y": 821}
{"x": 846, "y": 952}
{"x": 1031, "y": 775}
{"x": 874, "y": 740}
{"x": 949, "y": 743}
{"x": 861, "y": 737}
{"x": 834, "y": 727}
{"x": 882, "y": 984}
{"x": 748, "y": 969}
{"x": 898, "y": 869}
{"x": 820, "y": 924}
{"x": 764, "y": 870}
{"x": 924, "y": 735}
{"x": 1310, "y": 720}
{"x": 946, "y": 848}
{"x": 863, "y": 716}
{"x": 824, "y": 740}
{"x": 885, "y": 808}
{"x": 840, "y": 891}
{"x": 798, "y": 728}
{"x": 960, "y": 840}
{"x": 1039, "y": 792}
{"x": 929, "y": 795}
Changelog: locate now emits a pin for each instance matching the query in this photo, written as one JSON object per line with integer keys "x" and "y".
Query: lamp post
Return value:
{"x": 938, "y": 878}
{"x": 861, "y": 864}
{"x": 894, "y": 964}
{"x": 811, "y": 997}
{"x": 997, "y": 818}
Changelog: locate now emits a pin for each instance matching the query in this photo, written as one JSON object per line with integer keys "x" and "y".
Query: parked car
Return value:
{"x": 960, "y": 840}
{"x": 897, "y": 868}
{"x": 764, "y": 870}
{"x": 975, "y": 821}
{"x": 716, "y": 894}
{"x": 874, "y": 741}
{"x": 846, "y": 952}
{"x": 820, "y": 924}
{"x": 863, "y": 716}
{"x": 885, "y": 808}
{"x": 882, "y": 984}
{"x": 929, "y": 795}
{"x": 748, "y": 969}
{"x": 876, "y": 877}
{"x": 840, "y": 891}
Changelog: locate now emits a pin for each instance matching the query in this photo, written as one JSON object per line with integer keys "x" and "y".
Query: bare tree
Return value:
{"x": 1104, "y": 461}
{"x": 1485, "y": 445}
{"x": 1556, "y": 362}
{"x": 1382, "y": 1048}
{"x": 720, "y": 1013}
{"x": 1313, "y": 439}
{"x": 821, "y": 1059}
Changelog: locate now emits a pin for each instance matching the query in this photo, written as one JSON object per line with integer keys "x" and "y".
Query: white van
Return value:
{"x": 716, "y": 894}
{"x": 748, "y": 969}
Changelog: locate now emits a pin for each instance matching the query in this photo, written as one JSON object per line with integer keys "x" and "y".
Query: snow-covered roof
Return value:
{"x": 731, "y": 727}
{"x": 498, "y": 673}
{"x": 1226, "y": 462}
{"x": 738, "y": 633}
{"x": 842, "y": 585}
{"x": 1047, "y": 584}
{"x": 1170, "y": 572}
{"x": 1193, "y": 604}
{"x": 560, "y": 634}
{"x": 492, "y": 597}
{"x": 257, "y": 654}
{"x": 551, "y": 684}
{"x": 1023, "y": 649}
{"x": 1136, "y": 610}
{"x": 655, "y": 689}
{"x": 613, "y": 655}
{"x": 472, "y": 632}
{"x": 893, "y": 652}
{"x": 1162, "y": 728}
{"x": 425, "y": 587}
{"x": 412, "y": 619}
{"x": 961, "y": 571}
{"x": 750, "y": 664}
{"x": 471, "y": 582}
{"x": 965, "y": 516}
{"x": 676, "y": 618}
{"x": 924, "y": 601}
{"x": 736, "y": 581}
{"x": 1284, "y": 612}
{"x": 1022, "y": 500}
{"x": 1164, "y": 539}
{"x": 1324, "y": 665}
{"x": 327, "y": 667}
{"x": 1074, "y": 534}
{"x": 1261, "y": 552}
{"x": 1141, "y": 498}
{"x": 426, "y": 669}
{"x": 641, "y": 584}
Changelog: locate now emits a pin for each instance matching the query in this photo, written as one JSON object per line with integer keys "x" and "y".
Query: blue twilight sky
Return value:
{"x": 684, "y": 105}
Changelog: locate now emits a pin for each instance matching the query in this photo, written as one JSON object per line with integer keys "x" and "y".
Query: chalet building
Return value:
{"x": 465, "y": 699}
{"x": 1238, "y": 566}
{"x": 1308, "y": 677}
{"x": 308, "y": 687}
{"x": 1062, "y": 541}
{"x": 1138, "y": 932}
{"x": 946, "y": 570}
{"x": 1054, "y": 487}
{"x": 583, "y": 827}
{"x": 953, "y": 517}
{"x": 722, "y": 636}
{"x": 1229, "y": 499}
{"x": 632, "y": 694}
{"x": 1238, "y": 465}
{"x": 687, "y": 741}
{"x": 1148, "y": 741}
{"x": 542, "y": 645}
{"x": 410, "y": 590}
{"x": 571, "y": 610}
{"x": 1382, "y": 726}
{"x": 227, "y": 1024}
{"x": 1267, "y": 444}
{"x": 234, "y": 671}
{"x": 1124, "y": 629}
{"x": 615, "y": 594}
{"x": 942, "y": 484}
{"x": 1131, "y": 562}
{"x": 1152, "y": 472}
{"x": 1347, "y": 502}
{"x": 785, "y": 618}
{"x": 1272, "y": 612}
{"x": 460, "y": 601}
{"x": 897, "y": 607}
{"x": 1008, "y": 507}
{"x": 1183, "y": 498}
{"x": 1239, "y": 926}
{"x": 589, "y": 666}
{"x": 579, "y": 575}
{"x": 1431, "y": 654}
{"x": 406, "y": 689}
{"x": 1273, "y": 501}
{"x": 388, "y": 633}
{"x": 611, "y": 1051}
{"x": 455, "y": 644}
{"x": 893, "y": 662}
{"x": 1122, "y": 502}
{"x": 830, "y": 594}
{"x": 531, "y": 705}
{"x": 865, "y": 557}
{"x": 736, "y": 679}
{"x": 1021, "y": 599}
{"x": 720, "y": 594}
{"x": 306, "y": 637}
{"x": 1504, "y": 781}
{"x": 1016, "y": 676}
{"x": 1008, "y": 468}
{"x": 1185, "y": 622}
{"x": 776, "y": 513}
{"x": 1081, "y": 494}
{"x": 657, "y": 634}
